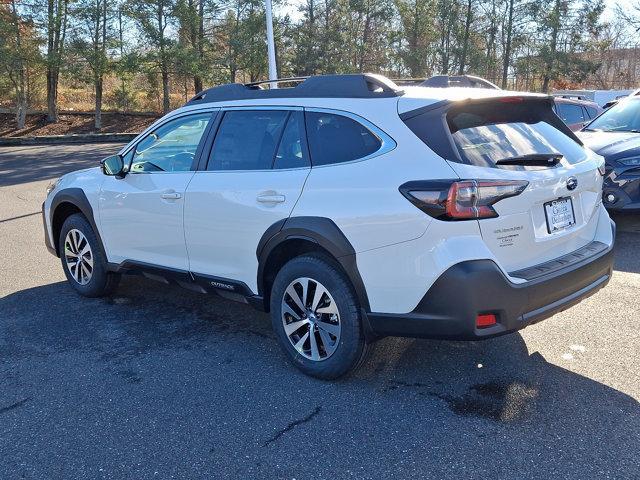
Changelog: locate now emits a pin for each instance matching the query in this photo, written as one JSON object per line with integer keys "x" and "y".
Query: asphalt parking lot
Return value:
{"x": 159, "y": 382}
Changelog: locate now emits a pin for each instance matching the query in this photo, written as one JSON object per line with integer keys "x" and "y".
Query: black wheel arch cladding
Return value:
{"x": 324, "y": 233}
{"x": 77, "y": 198}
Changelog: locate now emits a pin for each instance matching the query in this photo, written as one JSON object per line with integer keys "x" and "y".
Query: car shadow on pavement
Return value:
{"x": 495, "y": 393}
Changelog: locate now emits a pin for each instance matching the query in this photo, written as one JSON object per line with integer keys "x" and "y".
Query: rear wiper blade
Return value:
{"x": 534, "y": 159}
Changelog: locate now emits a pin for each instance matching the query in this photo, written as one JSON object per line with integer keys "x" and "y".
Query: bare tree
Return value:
{"x": 153, "y": 17}
{"x": 89, "y": 42}
{"x": 56, "y": 26}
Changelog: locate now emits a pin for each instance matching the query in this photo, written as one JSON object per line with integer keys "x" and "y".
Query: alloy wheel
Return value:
{"x": 311, "y": 319}
{"x": 78, "y": 256}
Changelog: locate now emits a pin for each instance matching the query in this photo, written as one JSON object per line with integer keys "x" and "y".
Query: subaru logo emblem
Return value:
{"x": 572, "y": 183}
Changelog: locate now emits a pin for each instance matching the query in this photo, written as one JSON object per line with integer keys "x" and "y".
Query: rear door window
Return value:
{"x": 336, "y": 138}
{"x": 247, "y": 140}
{"x": 292, "y": 149}
{"x": 592, "y": 112}
{"x": 570, "y": 113}
{"x": 485, "y": 135}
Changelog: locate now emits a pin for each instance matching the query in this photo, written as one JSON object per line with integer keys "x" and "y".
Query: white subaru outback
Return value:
{"x": 350, "y": 210}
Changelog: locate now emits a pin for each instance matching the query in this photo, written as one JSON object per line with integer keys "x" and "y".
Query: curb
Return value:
{"x": 63, "y": 139}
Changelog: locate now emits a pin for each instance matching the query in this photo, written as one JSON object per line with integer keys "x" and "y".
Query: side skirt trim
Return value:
{"x": 224, "y": 287}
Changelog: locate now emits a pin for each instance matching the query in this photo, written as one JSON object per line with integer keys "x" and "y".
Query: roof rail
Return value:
{"x": 362, "y": 85}
{"x": 277, "y": 80}
{"x": 408, "y": 81}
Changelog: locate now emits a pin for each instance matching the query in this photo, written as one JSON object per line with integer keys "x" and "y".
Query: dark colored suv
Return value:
{"x": 616, "y": 136}
{"x": 576, "y": 113}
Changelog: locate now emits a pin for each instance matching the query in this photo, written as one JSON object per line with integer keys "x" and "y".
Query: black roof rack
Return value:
{"x": 408, "y": 81}
{"x": 279, "y": 80}
{"x": 362, "y": 85}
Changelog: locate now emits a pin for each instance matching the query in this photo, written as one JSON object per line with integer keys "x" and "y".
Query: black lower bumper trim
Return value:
{"x": 450, "y": 307}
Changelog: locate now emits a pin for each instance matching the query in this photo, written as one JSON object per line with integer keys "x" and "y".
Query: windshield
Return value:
{"x": 623, "y": 117}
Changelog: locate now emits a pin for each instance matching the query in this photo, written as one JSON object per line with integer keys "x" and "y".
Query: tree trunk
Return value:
{"x": 98, "y": 115}
{"x": 52, "y": 95}
{"x": 164, "y": 67}
{"x": 56, "y": 32}
{"x": 197, "y": 84}
{"x": 445, "y": 35}
{"x": 21, "y": 115}
{"x": 165, "y": 90}
{"x": 123, "y": 84}
{"x": 310, "y": 64}
{"x": 21, "y": 99}
{"x": 550, "y": 61}
{"x": 52, "y": 111}
{"x": 506, "y": 60}
{"x": 412, "y": 43}
{"x": 196, "y": 27}
{"x": 465, "y": 44}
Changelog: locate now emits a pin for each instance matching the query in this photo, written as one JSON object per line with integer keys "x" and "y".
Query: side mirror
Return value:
{"x": 113, "y": 166}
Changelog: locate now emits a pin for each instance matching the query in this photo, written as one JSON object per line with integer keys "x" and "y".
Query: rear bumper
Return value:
{"x": 449, "y": 308}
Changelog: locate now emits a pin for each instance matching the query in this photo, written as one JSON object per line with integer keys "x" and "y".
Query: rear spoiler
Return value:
{"x": 441, "y": 108}
{"x": 429, "y": 123}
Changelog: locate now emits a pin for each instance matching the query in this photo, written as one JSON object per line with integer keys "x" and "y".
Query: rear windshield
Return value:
{"x": 484, "y": 132}
{"x": 485, "y": 135}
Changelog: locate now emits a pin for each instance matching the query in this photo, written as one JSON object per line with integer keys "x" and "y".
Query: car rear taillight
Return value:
{"x": 461, "y": 199}
{"x": 511, "y": 100}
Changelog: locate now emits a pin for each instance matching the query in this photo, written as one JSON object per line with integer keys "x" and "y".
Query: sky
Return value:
{"x": 610, "y": 11}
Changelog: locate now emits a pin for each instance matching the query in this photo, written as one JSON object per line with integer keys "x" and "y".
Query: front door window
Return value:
{"x": 172, "y": 147}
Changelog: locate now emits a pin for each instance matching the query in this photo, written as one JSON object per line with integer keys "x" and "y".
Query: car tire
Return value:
{"x": 83, "y": 259}
{"x": 332, "y": 319}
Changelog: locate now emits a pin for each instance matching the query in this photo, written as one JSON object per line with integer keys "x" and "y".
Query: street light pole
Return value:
{"x": 271, "y": 48}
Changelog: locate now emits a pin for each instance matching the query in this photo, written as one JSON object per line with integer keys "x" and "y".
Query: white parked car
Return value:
{"x": 350, "y": 210}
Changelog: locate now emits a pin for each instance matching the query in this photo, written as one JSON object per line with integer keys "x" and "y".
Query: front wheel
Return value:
{"x": 316, "y": 317}
{"x": 83, "y": 260}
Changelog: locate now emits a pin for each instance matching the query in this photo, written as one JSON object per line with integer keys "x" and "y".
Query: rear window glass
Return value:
{"x": 291, "y": 152}
{"x": 570, "y": 113}
{"x": 336, "y": 139}
{"x": 485, "y": 135}
{"x": 592, "y": 112}
{"x": 246, "y": 140}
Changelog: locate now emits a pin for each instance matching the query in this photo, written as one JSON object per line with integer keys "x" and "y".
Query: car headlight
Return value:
{"x": 630, "y": 162}
{"x": 52, "y": 185}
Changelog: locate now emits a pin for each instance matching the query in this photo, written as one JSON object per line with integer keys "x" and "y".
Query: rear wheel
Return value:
{"x": 83, "y": 259}
{"x": 316, "y": 317}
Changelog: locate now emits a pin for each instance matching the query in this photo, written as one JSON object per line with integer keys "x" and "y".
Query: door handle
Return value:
{"x": 275, "y": 198}
{"x": 171, "y": 196}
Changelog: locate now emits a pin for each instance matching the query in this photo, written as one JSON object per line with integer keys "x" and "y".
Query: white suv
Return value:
{"x": 350, "y": 210}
